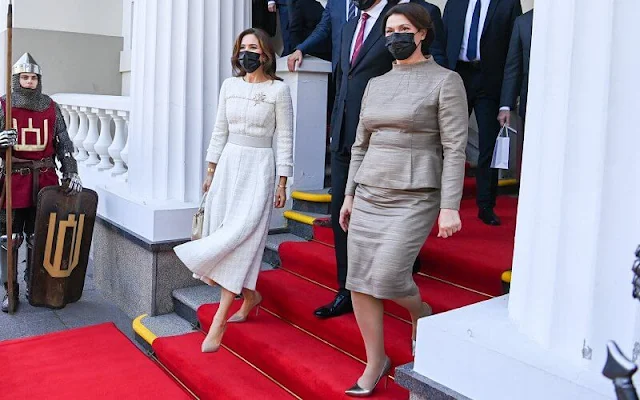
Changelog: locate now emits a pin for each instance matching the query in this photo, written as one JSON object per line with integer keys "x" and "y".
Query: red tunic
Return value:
{"x": 36, "y": 134}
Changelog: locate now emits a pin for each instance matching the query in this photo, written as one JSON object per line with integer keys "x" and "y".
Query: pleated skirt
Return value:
{"x": 388, "y": 227}
{"x": 236, "y": 220}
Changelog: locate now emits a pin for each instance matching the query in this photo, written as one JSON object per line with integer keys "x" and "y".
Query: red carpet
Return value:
{"x": 219, "y": 375}
{"x": 97, "y": 362}
{"x": 300, "y": 362}
{"x": 319, "y": 359}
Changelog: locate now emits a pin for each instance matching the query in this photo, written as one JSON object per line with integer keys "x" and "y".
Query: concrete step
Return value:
{"x": 186, "y": 301}
{"x": 301, "y": 223}
{"x": 274, "y": 241}
{"x": 147, "y": 329}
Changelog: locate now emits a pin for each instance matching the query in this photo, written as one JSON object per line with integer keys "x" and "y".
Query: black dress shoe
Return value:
{"x": 339, "y": 306}
{"x": 489, "y": 217}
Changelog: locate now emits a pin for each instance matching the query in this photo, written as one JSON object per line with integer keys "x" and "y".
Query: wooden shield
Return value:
{"x": 63, "y": 232}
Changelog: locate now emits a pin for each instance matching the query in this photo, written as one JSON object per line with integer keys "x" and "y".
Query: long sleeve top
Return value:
{"x": 413, "y": 132}
{"x": 257, "y": 110}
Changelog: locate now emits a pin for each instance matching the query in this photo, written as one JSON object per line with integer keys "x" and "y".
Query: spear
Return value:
{"x": 8, "y": 166}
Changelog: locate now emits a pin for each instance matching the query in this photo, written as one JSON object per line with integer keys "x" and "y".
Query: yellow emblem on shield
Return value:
{"x": 56, "y": 267}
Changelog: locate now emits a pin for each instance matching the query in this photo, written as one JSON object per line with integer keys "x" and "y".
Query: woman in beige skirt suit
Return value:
{"x": 407, "y": 168}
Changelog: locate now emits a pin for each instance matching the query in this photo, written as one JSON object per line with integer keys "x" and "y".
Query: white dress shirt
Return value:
{"x": 374, "y": 14}
{"x": 484, "y": 8}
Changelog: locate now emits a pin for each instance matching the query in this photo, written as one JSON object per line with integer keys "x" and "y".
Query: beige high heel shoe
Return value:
{"x": 428, "y": 312}
{"x": 237, "y": 318}
{"x": 357, "y": 391}
{"x": 208, "y": 347}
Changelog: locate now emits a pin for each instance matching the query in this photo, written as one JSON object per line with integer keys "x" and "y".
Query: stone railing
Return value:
{"x": 98, "y": 128}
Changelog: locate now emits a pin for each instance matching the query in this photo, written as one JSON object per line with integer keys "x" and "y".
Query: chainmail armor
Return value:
{"x": 35, "y": 100}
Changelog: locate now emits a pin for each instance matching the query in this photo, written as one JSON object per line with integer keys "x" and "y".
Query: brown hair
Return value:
{"x": 269, "y": 55}
{"x": 419, "y": 17}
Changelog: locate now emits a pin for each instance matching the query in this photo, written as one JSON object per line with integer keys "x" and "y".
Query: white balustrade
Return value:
{"x": 100, "y": 151}
{"x": 83, "y": 128}
{"x": 119, "y": 142}
{"x": 65, "y": 115}
{"x": 104, "y": 141}
{"x": 72, "y": 126}
{"x": 92, "y": 137}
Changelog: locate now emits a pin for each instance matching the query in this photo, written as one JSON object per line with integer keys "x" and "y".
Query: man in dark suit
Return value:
{"x": 282, "y": 7}
{"x": 477, "y": 34}
{"x": 362, "y": 56}
{"x": 335, "y": 15}
{"x": 439, "y": 45}
{"x": 516, "y": 71}
{"x": 304, "y": 16}
{"x": 262, "y": 18}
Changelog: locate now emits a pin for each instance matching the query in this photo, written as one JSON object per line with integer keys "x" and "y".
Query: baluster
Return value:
{"x": 92, "y": 137}
{"x": 72, "y": 126}
{"x": 65, "y": 114}
{"x": 83, "y": 128}
{"x": 124, "y": 154}
{"x": 119, "y": 142}
{"x": 104, "y": 141}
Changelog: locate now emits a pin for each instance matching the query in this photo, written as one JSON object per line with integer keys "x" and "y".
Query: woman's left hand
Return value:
{"x": 280, "y": 198}
{"x": 448, "y": 223}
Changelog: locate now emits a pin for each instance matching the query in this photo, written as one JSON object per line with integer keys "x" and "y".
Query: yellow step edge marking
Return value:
{"x": 143, "y": 331}
{"x": 506, "y": 276}
{"x": 299, "y": 217}
{"x": 326, "y": 197}
{"x": 312, "y": 197}
{"x": 507, "y": 182}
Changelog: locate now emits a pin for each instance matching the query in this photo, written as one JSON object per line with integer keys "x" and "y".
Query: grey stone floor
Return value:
{"x": 90, "y": 310}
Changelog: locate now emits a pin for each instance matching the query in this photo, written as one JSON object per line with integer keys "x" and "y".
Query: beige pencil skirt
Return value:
{"x": 388, "y": 228}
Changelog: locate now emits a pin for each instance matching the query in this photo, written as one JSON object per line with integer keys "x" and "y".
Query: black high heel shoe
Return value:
{"x": 357, "y": 391}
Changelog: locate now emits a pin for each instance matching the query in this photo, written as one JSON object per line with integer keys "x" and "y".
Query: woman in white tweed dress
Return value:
{"x": 254, "y": 110}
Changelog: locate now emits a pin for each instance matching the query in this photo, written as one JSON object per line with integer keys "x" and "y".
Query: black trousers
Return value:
{"x": 339, "y": 173}
{"x": 24, "y": 220}
{"x": 486, "y": 108}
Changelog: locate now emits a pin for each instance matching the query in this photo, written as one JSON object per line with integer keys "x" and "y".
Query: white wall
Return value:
{"x": 97, "y": 17}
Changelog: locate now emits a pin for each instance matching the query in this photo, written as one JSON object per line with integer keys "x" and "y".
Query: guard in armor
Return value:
{"x": 38, "y": 135}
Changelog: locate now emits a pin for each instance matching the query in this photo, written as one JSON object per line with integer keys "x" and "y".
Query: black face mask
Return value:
{"x": 249, "y": 61}
{"x": 401, "y": 45}
{"x": 364, "y": 4}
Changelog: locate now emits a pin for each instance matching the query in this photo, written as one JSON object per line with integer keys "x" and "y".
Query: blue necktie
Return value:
{"x": 353, "y": 10}
{"x": 472, "y": 43}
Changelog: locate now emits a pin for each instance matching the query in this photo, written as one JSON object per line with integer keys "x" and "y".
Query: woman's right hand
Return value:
{"x": 345, "y": 212}
{"x": 207, "y": 183}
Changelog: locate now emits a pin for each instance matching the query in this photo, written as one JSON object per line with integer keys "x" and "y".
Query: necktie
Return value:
{"x": 472, "y": 43}
{"x": 353, "y": 10}
{"x": 360, "y": 37}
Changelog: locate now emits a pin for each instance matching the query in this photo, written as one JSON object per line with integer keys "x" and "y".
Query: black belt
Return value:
{"x": 32, "y": 167}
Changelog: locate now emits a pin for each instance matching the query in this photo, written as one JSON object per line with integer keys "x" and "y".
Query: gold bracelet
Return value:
{"x": 211, "y": 170}
{"x": 284, "y": 187}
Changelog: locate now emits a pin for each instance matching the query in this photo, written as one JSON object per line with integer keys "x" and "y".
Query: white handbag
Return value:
{"x": 198, "y": 221}
{"x": 500, "y": 159}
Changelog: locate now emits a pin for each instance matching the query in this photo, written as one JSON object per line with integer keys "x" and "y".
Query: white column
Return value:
{"x": 65, "y": 114}
{"x": 119, "y": 142}
{"x": 81, "y": 153}
{"x": 181, "y": 54}
{"x": 92, "y": 136}
{"x": 578, "y": 217}
{"x": 578, "y": 223}
{"x": 104, "y": 141}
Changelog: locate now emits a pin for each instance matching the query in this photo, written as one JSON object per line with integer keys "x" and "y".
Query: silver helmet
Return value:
{"x": 26, "y": 64}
